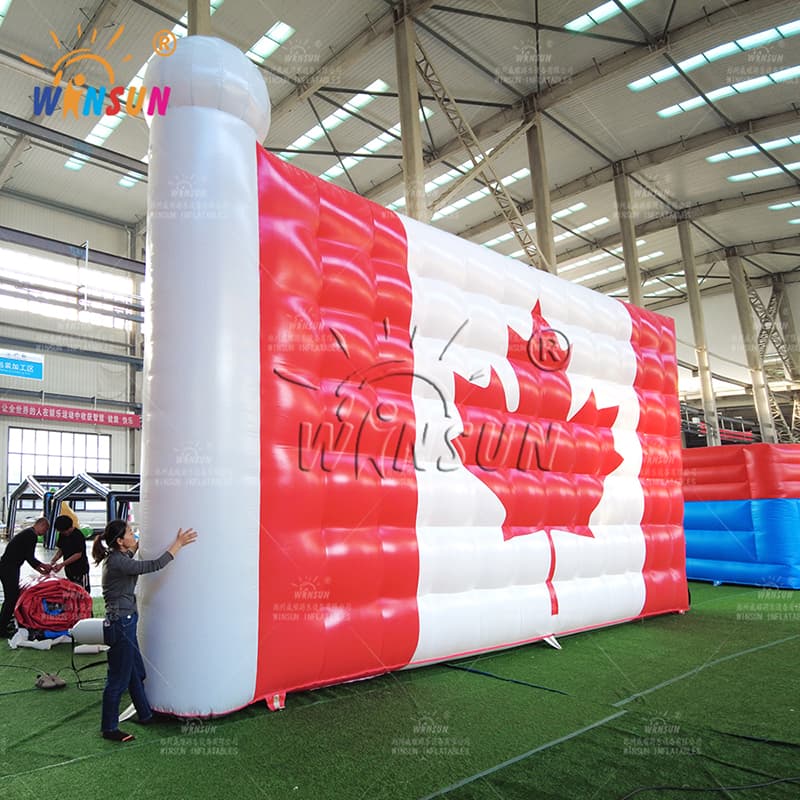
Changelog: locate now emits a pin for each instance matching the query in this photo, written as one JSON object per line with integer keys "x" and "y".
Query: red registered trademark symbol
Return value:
{"x": 549, "y": 349}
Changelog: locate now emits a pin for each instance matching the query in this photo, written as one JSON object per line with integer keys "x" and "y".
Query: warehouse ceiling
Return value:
{"x": 697, "y": 103}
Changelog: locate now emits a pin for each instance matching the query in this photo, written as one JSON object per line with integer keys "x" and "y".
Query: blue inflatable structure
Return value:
{"x": 742, "y": 514}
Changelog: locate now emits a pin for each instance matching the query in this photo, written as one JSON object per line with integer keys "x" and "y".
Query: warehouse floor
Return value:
{"x": 706, "y": 701}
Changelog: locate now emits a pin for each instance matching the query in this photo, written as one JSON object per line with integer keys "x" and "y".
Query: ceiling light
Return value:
{"x": 744, "y": 44}
{"x": 738, "y": 88}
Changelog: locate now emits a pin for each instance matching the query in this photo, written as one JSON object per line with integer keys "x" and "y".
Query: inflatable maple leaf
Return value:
{"x": 546, "y": 468}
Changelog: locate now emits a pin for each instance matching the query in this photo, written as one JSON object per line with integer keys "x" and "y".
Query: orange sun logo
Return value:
{"x": 75, "y": 56}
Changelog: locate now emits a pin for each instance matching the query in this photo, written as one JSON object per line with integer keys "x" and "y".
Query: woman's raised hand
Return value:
{"x": 183, "y": 538}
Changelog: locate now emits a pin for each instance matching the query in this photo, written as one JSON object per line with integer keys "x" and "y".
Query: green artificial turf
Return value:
{"x": 706, "y": 700}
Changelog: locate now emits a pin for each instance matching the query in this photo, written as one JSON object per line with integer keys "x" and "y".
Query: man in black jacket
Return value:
{"x": 19, "y": 549}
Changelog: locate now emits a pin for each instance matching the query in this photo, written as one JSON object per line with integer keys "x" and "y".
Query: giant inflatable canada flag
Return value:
{"x": 398, "y": 446}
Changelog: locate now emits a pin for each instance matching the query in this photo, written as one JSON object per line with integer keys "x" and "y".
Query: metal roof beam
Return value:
{"x": 710, "y": 256}
{"x": 71, "y": 143}
{"x": 669, "y": 220}
{"x": 353, "y": 51}
{"x": 83, "y": 213}
{"x": 668, "y": 152}
{"x": 36, "y": 242}
{"x": 586, "y": 79}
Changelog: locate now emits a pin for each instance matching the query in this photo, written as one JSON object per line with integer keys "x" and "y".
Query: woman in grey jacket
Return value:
{"x": 115, "y": 547}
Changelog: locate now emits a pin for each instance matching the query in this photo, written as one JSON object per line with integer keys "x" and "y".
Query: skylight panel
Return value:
{"x": 606, "y": 271}
{"x": 639, "y": 243}
{"x": 614, "y": 253}
{"x": 532, "y": 226}
{"x": 76, "y": 161}
{"x": 667, "y": 289}
{"x": 279, "y": 33}
{"x": 581, "y": 229}
{"x": 129, "y": 180}
{"x": 742, "y": 45}
{"x": 740, "y": 152}
{"x": 373, "y": 146}
{"x": 439, "y": 181}
{"x": 96, "y": 136}
{"x": 4, "y": 6}
{"x": 786, "y": 74}
{"x": 598, "y": 15}
{"x": 783, "y": 206}
{"x": 751, "y": 84}
{"x": 758, "y": 39}
{"x": 738, "y": 88}
{"x": 722, "y": 51}
{"x": 358, "y": 101}
{"x": 763, "y": 173}
{"x": 654, "y": 281}
{"x": 718, "y": 94}
{"x": 458, "y": 204}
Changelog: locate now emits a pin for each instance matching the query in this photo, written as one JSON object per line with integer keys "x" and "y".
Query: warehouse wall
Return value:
{"x": 62, "y": 226}
{"x": 85, "y": 374}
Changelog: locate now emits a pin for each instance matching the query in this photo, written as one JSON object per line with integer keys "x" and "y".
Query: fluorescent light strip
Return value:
{"x": 667, "y": 289}
{"x": 565, "y": 212}
{"x": 97, "y": 136}
{"x": 567, "y": 234}
{"x": 356, "y": 102}
{"x": 750, "y": 85}
{"x": 716, "y": 53}
{"x": 373, "y": 146}
{"x": 652, "y": 281}
{"x": 783, "y": 206}
{"x": 581, "y": 229}
{"x": 794, "y": 221}
{"x": 606, "y": 271}
{"x": 479, "y": 194}
{"x": 741, "y": 152}
{"x": 763, "y": 173}
{"x": 591, "y": 260}
{"x": 439, "y": 181}
{"x": 131, "y": 178}
{"x": 600, "y": 14}
{"x": 651, "y": 256}
{"x": 4, "y": 6}
{"x": 279, "y": 33}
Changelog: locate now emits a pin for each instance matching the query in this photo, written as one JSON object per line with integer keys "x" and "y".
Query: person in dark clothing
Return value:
{"x": 115, "y": 548}
{"x": 20, "y": 549}
{"x": 71, "y": 548}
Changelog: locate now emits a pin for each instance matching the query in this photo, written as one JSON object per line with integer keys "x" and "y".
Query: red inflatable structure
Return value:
{"x": 400, "y": 447}
{"x": 743, "y": 514}
{"x": 52, "y": 604}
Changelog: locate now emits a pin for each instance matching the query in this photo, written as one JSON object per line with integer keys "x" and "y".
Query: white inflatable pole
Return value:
{"x": 201, "y": 461}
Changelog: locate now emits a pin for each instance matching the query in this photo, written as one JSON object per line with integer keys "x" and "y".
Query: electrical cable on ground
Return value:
{"x": 508, "y": 680}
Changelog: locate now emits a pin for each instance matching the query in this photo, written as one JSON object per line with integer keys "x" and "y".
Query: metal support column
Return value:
{"x": 478, "y": 156}
{"x": 788, "y": 327}
{"x": 199, "y": 18}
{"x": 699, "y": 329}
{"x": 625, "y": 213}
{"x": 410, "y": 127}
{"x": 543, "y": 212}
{"x": 750, "y": 339}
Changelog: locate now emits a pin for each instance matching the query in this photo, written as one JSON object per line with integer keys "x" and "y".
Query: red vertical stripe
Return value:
{"x": 338, "y": 558}
{"x": 656, "y": 385}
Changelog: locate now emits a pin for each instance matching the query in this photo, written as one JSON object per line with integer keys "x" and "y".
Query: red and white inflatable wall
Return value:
{"x": 398, "y": 446}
